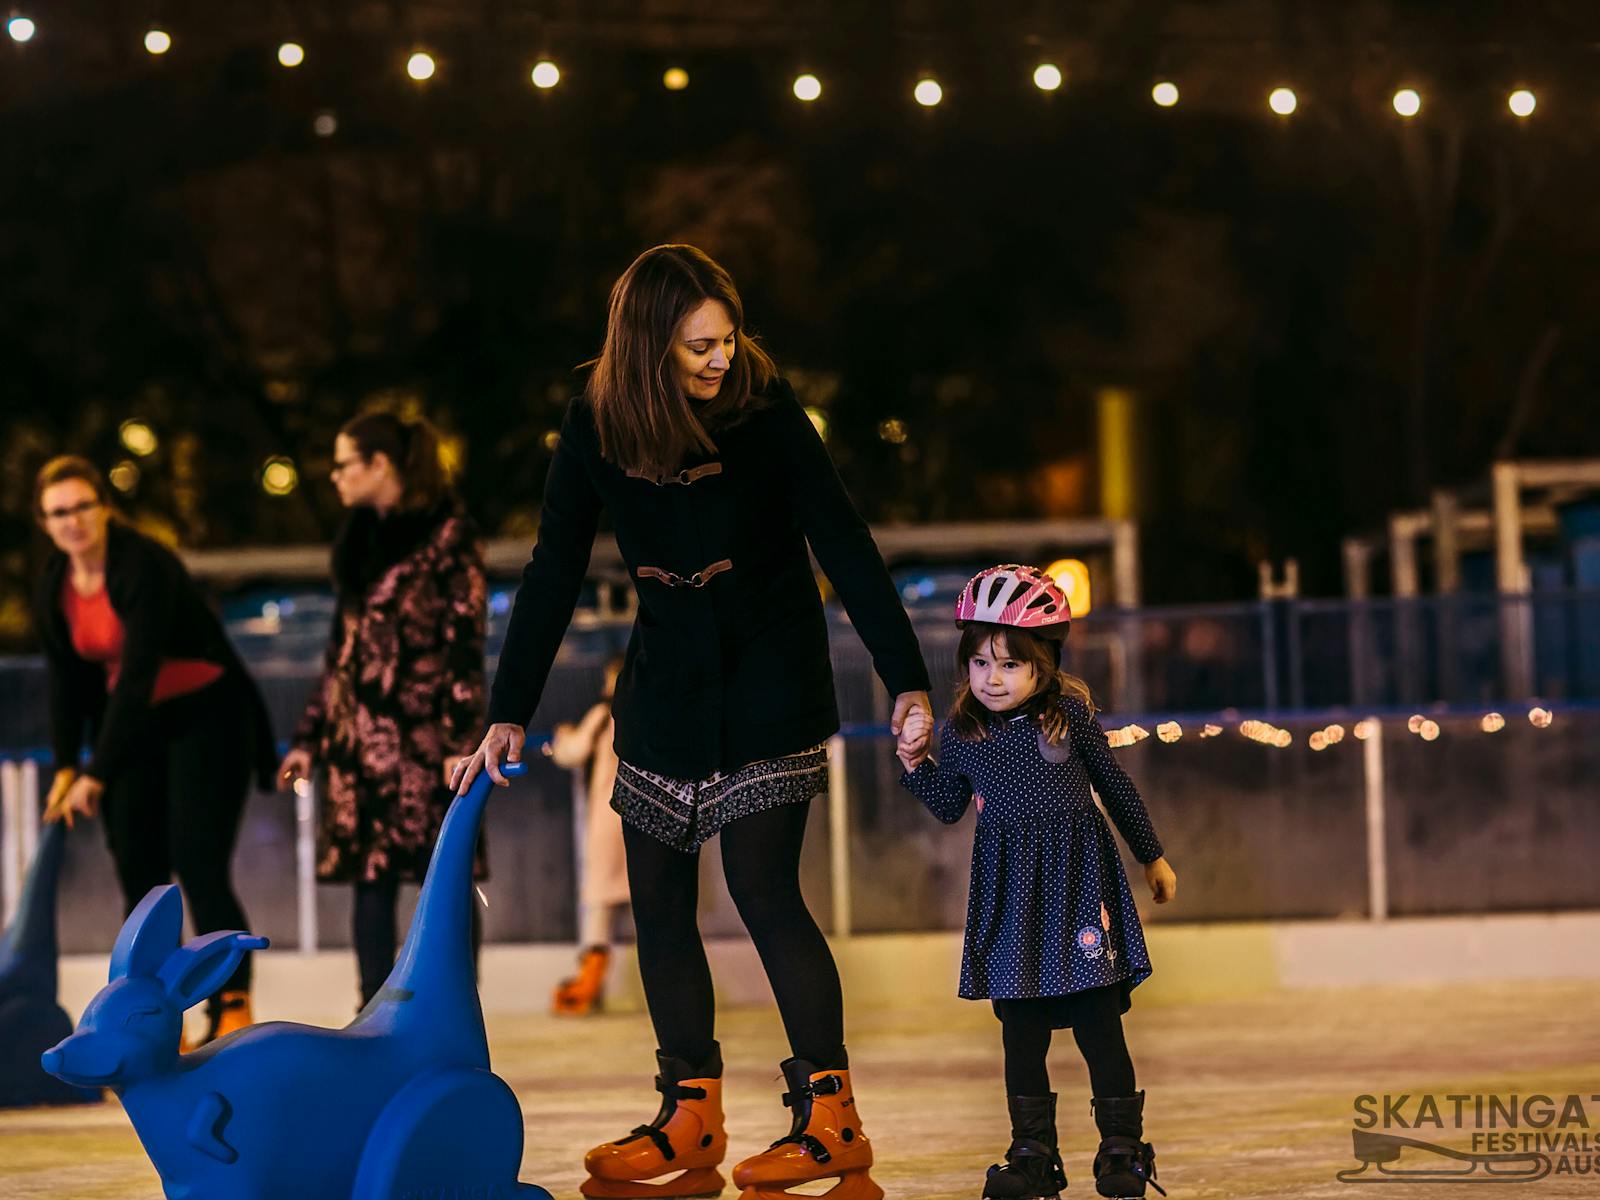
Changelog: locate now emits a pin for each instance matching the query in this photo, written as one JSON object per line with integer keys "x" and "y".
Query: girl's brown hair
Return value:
{"x": 412, "y": 446}
{"x": 62, "y": 468}
{"x": 969, "y": 719}
{"x": 644, "y": 420}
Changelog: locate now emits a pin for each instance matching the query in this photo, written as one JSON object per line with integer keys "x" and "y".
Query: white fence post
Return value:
{"x": 839, "y": 836}
{"x": 31, "y": 812}
{"x": 11, "y": 864}
{"x": 19, "y": 830}
{"x": 1377, "y": 851}
{"x": 580, "y": 826}
{"x": 305, "y": 861}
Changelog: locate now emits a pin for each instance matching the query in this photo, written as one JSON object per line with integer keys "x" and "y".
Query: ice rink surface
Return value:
{"x": 1245, "y": 1098}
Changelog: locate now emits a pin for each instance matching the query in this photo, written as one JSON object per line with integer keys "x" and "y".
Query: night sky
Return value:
{"x": 1320, "y": 316}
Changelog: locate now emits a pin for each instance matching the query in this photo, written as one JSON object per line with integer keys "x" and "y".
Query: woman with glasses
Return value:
{"x": 401, "y": 693}
{"x": 141, "y": 669}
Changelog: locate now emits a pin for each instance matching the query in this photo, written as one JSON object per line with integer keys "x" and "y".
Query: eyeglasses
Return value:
{"x": 77, "y": 510}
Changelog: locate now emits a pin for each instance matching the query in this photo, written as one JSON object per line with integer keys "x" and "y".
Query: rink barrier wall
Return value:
{"x": 1193, "y": 963}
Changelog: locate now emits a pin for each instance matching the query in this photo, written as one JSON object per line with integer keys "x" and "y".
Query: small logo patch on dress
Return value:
{"x": 1090, "y": 940}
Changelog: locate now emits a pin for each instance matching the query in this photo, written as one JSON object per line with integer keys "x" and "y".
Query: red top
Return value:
{"x": 97, "y": 636}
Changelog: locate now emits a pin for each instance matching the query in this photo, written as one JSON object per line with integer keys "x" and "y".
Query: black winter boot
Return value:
{"x": 1125, "y": 1163}
{"x": 1032, "y": 1169}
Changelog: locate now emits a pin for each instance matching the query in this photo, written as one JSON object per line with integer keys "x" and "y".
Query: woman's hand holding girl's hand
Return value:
{"x": 296, "y": 765}
{"x": 913, "y": 740}
{"x": 503, "y": 743}
{"x": 915, "y": 732}
{"x": 78, "y": 794}
{"x": 1163, "y": 880}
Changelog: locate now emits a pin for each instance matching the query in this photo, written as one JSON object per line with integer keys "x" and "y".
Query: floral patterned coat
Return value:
{"x": 402, "y": 688}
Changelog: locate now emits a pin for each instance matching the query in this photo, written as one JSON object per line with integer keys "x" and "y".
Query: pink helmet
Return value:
{"x": 1020, "y": 596}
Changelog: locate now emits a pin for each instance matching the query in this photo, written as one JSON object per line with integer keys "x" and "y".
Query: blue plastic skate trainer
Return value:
{"x": 30, "y": 1016}
{"x": 398, "y": 1105}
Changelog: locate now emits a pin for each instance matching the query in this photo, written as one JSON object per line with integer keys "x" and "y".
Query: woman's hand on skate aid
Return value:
{"x": 1163, "y": 880}
{"x": 503, "y": 743}
{"x": 296, "y": 765}
{"x": 916, "y": 731}
{"x": 72, "y": 795}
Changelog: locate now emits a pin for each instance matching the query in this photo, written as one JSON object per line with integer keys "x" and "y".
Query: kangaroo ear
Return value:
{"x": 199, "y": 968}
{"x": 151, "y": 932}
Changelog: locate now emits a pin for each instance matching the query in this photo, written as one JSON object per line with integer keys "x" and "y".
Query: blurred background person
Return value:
{"x": 139, "y": 665}
{"x": 401, "y": 695}
{"x": 603, "y": 891}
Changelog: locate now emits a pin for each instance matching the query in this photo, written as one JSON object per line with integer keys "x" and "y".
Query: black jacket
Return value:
{"x": 735, "y": 670}
{"x": 164, "y": 615}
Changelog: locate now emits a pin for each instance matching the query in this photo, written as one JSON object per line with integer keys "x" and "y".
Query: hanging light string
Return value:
{"x": 1267, "y": 734}
{"x": 926, "y": 90}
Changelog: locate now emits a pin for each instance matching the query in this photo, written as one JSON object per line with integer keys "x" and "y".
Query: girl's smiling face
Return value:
{"x": 999, "y": 681}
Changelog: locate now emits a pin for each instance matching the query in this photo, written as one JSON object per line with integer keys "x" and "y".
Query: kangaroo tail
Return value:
{"x": 28, "y": 947}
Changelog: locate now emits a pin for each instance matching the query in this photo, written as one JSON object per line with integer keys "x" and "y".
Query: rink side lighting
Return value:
{"x": 420, "y": 66}
{"x": 279, "y": 477}
{"x": 124, "y": 476}
{"x": 137, "y": 437}
{"x": 1072, "y": 577}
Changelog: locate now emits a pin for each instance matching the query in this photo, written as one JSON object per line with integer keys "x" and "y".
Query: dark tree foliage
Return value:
{"x": 1322, "y": 317}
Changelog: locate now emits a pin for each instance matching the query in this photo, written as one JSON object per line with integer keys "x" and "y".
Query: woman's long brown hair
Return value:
{"x": 644, "y": 420}
{"x": 969, "y": 719}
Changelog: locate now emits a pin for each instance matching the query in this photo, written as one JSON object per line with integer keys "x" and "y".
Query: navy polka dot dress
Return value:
{"x": 1049, "y": 912}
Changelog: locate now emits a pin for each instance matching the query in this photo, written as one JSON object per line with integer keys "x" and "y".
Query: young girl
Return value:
{"x": 1053, "y": 938}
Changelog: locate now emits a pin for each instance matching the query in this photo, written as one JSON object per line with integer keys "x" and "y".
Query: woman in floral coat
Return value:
{"x": 402, "y": 690}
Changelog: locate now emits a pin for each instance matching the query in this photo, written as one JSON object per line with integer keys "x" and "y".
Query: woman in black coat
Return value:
{"x": 716, "y": 483}
{"x": 140, "y": 665}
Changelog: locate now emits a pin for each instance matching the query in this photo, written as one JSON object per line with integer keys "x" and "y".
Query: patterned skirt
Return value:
{"x": 685, "y": 813}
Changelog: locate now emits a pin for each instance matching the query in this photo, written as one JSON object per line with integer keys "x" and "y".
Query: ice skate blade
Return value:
{"x": 857, "y": 1185}
{"x": 1377, "y": 1151}
{"x": 701, "y": 1183}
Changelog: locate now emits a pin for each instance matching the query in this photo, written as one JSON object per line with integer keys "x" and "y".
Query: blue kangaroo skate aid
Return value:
{"x": 400, "y": 1103}
{"x": 31, "y": 1019}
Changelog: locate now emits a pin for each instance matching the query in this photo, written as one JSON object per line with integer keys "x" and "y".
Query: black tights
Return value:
{"x": 1097, "y": 1028}
{"x": 175, "y": 808}
{"x": 374, "y": 924}
{"x": 761, "y": 858}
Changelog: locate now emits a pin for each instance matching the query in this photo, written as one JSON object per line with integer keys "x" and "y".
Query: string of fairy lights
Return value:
{"x": 926, "y": 89}
{"x": 1267, "y": 734}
